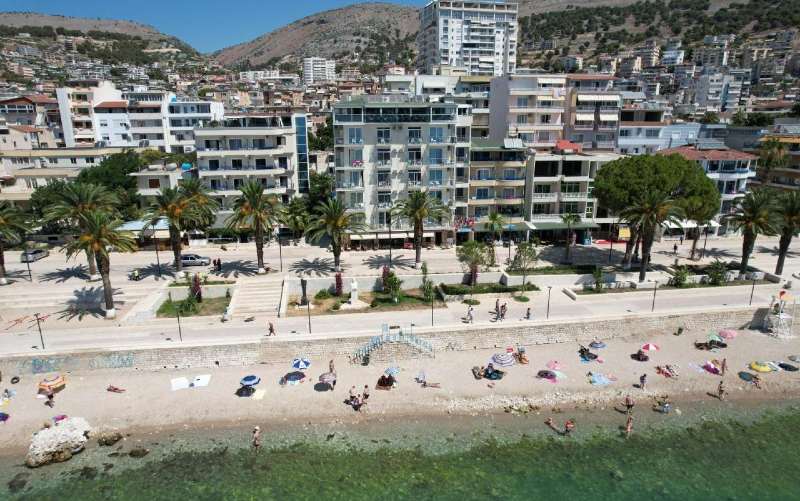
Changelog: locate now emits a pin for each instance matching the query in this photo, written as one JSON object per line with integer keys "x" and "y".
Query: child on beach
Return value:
{"x": 721, "y": 391}
{"x": 628, "y": 404}
{"x": 642, "y": 381}
{"x": 256, "y": 440}
{"x": 629, "y": 426}
{"x": 366, "y": 392}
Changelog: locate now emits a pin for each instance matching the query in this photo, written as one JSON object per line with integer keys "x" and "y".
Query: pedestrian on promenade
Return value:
{"x": 271, "y": 329}
{"x": 629, "y": 426}
{"x": 503, "y": 310}
{"x": 352, "y": 394}
{"x": 721, "y": 391}
{"x": 256, "y": 440}
{"x": 497, "y": 307}
{"x": 331, "y": 368}
{"x": 470, "y": 316}
{"x": 629, "y": 403}
{"x": 642, "y": 381}
{"x": 366, "y": 392}
{"x": 681, "y": 238}
{"x": 528, "y": 313}
{"x": 675, "y": 249}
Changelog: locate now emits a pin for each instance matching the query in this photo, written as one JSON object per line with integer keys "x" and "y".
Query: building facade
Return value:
{"x": 318, "y": 70}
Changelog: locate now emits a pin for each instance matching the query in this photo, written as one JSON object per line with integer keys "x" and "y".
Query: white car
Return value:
{"x": 195, "y": 260}
{"x": 32, "y": 255}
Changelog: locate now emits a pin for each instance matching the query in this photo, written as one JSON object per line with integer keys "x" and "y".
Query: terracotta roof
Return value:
{"x": 112, "y": 104}
{"x": 693, "y": 153}
{"x": 773, "y": 105}
{"x": 26, "y": 128}
{"x": 42, "y": 99}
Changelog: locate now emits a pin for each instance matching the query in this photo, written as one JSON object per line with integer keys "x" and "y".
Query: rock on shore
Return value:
{"x": 58, "y": 443}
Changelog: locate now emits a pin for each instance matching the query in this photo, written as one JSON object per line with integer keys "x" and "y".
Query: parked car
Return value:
{"x": 32, "y": 255}
{"x": 195, "y": 260}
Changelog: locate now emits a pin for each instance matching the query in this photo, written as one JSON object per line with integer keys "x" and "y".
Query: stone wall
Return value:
{"x": 281, "y": 350}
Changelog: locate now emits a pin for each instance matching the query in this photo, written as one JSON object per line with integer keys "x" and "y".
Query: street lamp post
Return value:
{"x": 308, "y": 313}
{"x": 280, "y": 248}
{"x": 549, "y": 288}
{"x": 655, "y": 289}
{"x": 390, "y": 242}
{"x": 39, "y": 326}
{"x": 752, "y": 291}
{"x": 30, "y": 276}
{"x": 180, "y": 331}
{"x": 433, "y": 298}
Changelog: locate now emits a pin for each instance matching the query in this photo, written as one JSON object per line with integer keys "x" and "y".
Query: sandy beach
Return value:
{"x": 150, "y": 404}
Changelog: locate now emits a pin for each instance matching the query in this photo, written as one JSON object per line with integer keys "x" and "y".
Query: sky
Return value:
{"x": 207, "y": 25}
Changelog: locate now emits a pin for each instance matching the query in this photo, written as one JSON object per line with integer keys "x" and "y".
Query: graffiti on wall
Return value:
{"x": 112, "y": 361}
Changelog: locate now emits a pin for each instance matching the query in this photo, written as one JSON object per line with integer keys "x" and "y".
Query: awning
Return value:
{"x": 427, "y": 235}
{"x": 562, "y": 226}
{"x": 584, "y": 117}
{"x": 598, "y": 97}
{"x": 358, "y": 237}
{"x": 609, "y": 117}
{"x": 551, "y": 80}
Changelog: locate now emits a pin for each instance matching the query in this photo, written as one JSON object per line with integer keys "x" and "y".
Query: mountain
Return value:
{"x": 325, "y": 34}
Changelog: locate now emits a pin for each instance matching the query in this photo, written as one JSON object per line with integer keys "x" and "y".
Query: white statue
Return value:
{"x": 353, "y": 291}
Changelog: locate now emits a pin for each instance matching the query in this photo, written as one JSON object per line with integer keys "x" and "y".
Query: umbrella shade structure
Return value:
{"x": 760, "y": 367}
{"x": 327, "y": 378}
{"x": 503, "y": 359}
{"x": 546, "y": 375}
{"x": 245, "y": 391}
{"x": 4, "y": 417}
{"x": 746, "y": 376}
{"x": 392, "y": 371}
{"x": 728, "y": 334}
{"x": 597, "y": 345}
{"x": 53, "y": 383}
{"x": 301, "y": 364}
{"x": 250, "y": 380}
{"x": 650, "y": 347}
{"x": 555, "y": 365}
{"x": 715, "y": 337}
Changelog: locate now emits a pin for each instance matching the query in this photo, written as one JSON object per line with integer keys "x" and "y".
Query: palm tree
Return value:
{"x": 474, "y": 255}
{"x": 773, "y": 156}
{"x": 699, "y": 210}
{"x": 295, "y": 216}
{"x": 76, "y": 200}
{"x": 753, "y": 216}
{"x": 570, "y": 220}
{"x": 651, "y": 211}
{"x": 100, "y": 232}
{"x": 331, "y": 219}
{"x": 787, "y": 210}
{"x": 494, "y": 225}
{"x": 258, "y": 212}
{"x": 13, "y": 226}
{"x": 419, "y": 207}
{"x": 184, "y": 208}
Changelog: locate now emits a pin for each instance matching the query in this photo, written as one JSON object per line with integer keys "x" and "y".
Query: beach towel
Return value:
{"x": 201, "y": 381}
{"x": 259, "y": 394}
{"x": 179, "y": 383}
{"x": 599, "y": 380}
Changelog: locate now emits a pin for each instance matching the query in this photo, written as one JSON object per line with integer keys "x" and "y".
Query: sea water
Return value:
{"x": 736, "y": 459}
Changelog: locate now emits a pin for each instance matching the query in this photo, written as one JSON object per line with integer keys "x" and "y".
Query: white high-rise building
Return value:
{"x": 318, "y": 69}
{"x": 477, "y": 36}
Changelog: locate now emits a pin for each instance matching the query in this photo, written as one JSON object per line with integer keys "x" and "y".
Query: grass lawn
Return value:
{"x": 209, "y": 307}
{"x": 590, "y": 291}
{"x": 456, "y": 290}
{"x": 411, "y": 299}
{"x": 207, "y": 282}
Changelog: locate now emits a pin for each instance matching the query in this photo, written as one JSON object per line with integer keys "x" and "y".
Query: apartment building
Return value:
{"x": 788, "y": 176}
{"x": 111, "y": 124}
{"x": 562, "y": 182}
{"x": 530, "y": 107}
{"x": 719, "y": 92}
{"x": 271, "y": 148}
{"x": 258, "y": 75}
{"x": 35, "y": 110}
{"x": 318, "y": 69}
{"x": 152, "y": 179}
{"x": 182, "y": 116}
{"x": 593, "y": 111}
{"x": 386, "y": 147}
{"x": 476, "y": 36}
{"x": 640, "y": 127}
{"x": 730, "y": 169}
{"x": 650, "y": 54}
{"x": 673, "y": 57}
{"x": 76, "y": 106}
{"x": 716, "y": 50}
{"x": 147, "y": 112}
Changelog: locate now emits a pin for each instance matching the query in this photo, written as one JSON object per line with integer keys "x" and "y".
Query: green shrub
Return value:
{"x": 323, "y": 294}
{"x": 716, "y": 272}
{"x": 373, "y": 303}
{"x": 336, "y": 306}
{"x": 521, "y": 299}
{"x": 471, "y": 302}
{"x": 597, "y": 276}
{"x": 680, "y": 276}
{"x": 462, "y": 290}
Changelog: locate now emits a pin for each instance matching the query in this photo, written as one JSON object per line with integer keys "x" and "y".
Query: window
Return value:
{"x": 509, "y": 193}
{"x": 481, "y": 211}
{"x": 354, "y": 136}
{"x": 436, "y": 134}
{"x": 522, "y": 119}
{"x": 236, "y": 163}
{"x": 435, "y": 177}
{"x": 235, "y": 144}
{"x": 569, "y": 208}
{"x": 384, "y": 179}
{"x": 542, "y": 188}
{"x": 384, "y": 157}
{"x": 522, "y": 102}
{"x": 651, "y": 133}
{"x": 435, "y": 156}
{"x": 624, "y": 133}
{"x": 261, "y": 163}
{"x": 510, "y": 174}
{"x": 546, "y": 119}
{"x": 415, "y": 157}
{"x": 384, "y": 136}
{"x": 484, "y": 174}
{"x": 482, "y": 194}
{"x": 103, "y": 123}
{"x": 213, "y": 164}
{"x": 414, "y": 135}
{"x": 153, "y": 183}
{"x": 414, "y": 177}
{"x": 384, "y": 199}
{"x": 73, "y": 161}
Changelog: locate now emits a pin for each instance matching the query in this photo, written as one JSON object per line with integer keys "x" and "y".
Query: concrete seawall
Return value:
{"x": 281, "y": 350}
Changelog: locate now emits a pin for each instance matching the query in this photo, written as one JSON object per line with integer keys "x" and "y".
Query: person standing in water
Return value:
{"x": 629, "y": 426}
{"x": 721, "y": 391}
{"x": 256, "y": 440}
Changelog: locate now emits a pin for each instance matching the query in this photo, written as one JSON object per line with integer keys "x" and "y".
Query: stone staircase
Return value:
{"x": 257, "y": 295}
{"x": 60, "y": 297}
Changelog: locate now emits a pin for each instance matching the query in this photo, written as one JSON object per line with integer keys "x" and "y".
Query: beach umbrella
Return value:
{"x": 503, "y": 359}
{"x": 728, "y": 333}
{"x": 392, "y": 371}
{"x": 4, "y": 417}
{"x": 327, "y": 378}
{"x": 250, "y": 380}
{"x": 760, "y": 367}
{"x": 650, "y": 347}
{"x": 546, "y": 375}
{"x": 301, "y": 364}
{"x": 714, "y": 337}
{"x": 554, "y": 365}
{"x": 295, "y": 376}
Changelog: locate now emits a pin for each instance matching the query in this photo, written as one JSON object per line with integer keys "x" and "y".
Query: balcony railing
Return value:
{"x": 349, "y": 186}
{"x": 574, "y": 196}
{"x": 414, "y": 140}
{"x": 244, "y": 168}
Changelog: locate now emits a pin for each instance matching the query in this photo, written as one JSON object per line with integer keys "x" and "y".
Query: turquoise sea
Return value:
{"x": 756, "y": 458}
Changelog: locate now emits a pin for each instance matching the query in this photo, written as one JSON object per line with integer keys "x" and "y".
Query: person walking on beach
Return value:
{"x": 331, "y": 368}
{"x": 352, "y": 393}
{"x": 497, "y": 307}
{"x": 271, "y": 328}
{"x": 723, "y": 366}
{"x": 569, "y": 426}
{"x": 50, "y": 402}
{"x": 681, "y": 237}
{"x": 366, "y": 393}
{"x": 642, "y": 381}
{"x": 629, "y": 426}
{"x": 503, "y": 310}
{"x": 256, "y": 440}
{"x": 629, "y": 403}
{"x": 721, "y": 391}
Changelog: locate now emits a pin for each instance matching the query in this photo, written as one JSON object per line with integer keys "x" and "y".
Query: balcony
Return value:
{"x": 344, "y": 186}
{"x": 545, "y": 197}
{"x": 414, "y": 140}
{"x": 210, "y": 151}
{"x": 511, "y": 181}
{"x": 482, "y": 201}
{"x": 582, "y": 195}
{"x": 583, "y": 127}
{"x": 227, "y": 170}
{"x": 510, "y": 200}
{"x": 606, "y": 145}
{"x": 355, "y": 165}
{"x": 354, "y": 206}
{"x": 546, "y": 217}
{"x": 384, "y": 140}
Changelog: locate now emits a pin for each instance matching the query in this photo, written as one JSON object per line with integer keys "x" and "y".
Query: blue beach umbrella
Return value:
{"x": 301, "y": 364}
{"x": 392, "y": 371}
{"x": 250, "y": 380}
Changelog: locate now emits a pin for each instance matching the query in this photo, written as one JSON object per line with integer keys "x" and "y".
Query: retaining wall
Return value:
{"x": 281, "y": 350}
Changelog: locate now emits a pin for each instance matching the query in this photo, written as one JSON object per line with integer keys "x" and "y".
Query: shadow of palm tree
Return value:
{"x": 86, "y": 301}
{"x": 151, "y": 270}
{"x": 763, "y": 249}
{"x": 379, "y": 261}
{"x": 720, "y": 253}
{"x": 62, "y": 275}
{"x": 17, "y": 275}
{"x": 319, "y": 266}
{"x": 239, "y": 267}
